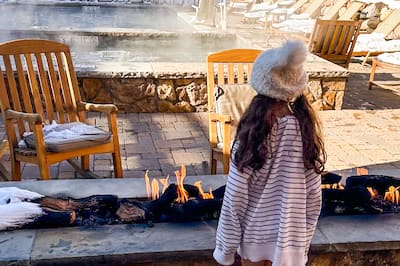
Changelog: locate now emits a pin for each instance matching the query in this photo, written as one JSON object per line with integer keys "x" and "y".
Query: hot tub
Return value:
{"x": 101, "y": 35}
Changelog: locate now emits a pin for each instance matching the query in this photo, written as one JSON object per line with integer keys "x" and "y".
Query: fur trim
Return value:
{"x": 278, "y": 73}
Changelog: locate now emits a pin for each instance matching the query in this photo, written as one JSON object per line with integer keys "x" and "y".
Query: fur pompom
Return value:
{"x": 278, "y": 73}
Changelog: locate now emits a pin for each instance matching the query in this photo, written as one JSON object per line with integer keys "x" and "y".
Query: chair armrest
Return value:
{"x": 103, "y": 108}
{"x": 225, "y": 123}
{"x": 29, "y": 117}
{"x": 225, "y": 119}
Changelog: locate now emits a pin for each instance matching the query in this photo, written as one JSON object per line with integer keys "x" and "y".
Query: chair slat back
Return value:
{"x": 229, "y": 67}
{"x": 352, "y": 10}
{"x": 299, "y": 4}
{"x": 333, "y": 11}
{"x": 313, "y": 8}
{"x": 37, "y": 76}
{"x": 389, "y": 24}
{"x": 334, "y": 40}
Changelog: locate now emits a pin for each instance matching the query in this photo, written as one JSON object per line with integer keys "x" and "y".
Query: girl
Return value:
{"x": 273, "y": 198}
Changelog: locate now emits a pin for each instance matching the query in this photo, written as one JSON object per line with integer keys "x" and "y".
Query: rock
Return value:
{"x": 194, "y": 93}
{"x": 315, "y": 89}
{"x": 329, "y": 100}
{"x": 180, "y": 107}
{"x": 182, "y": 94}
{"x": 166, "y": 90}
{"x": 333, "y": 85}
{"x": 131, "y": 90}
{"x": 91, "y": 88}
{"x": 339, "y": 100}
{"x": 147, "y": 105}
{"x": 202, "y": 108}
{"x": 373, "y": 22}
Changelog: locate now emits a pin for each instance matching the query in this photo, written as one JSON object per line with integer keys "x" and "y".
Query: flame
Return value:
{"x": 147, "y": 180}
{"x": 164, "y": 182}
{"x": 332, "y": 186}
{"x": 393, "y": 195}
{"x": 155, "y": 189}
{"x": 372, "y": 192}
{"x": 203, "y": 195}
{"x": 338, "y": 186}
{"x": 183, "y": 195}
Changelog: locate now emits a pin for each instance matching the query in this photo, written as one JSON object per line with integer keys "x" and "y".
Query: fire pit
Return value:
{"x": 339, "y": 240}
{"x": 180, "y": 202}
{"x": 175, "y": 202}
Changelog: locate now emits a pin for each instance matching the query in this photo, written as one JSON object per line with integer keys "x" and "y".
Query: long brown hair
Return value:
{"x": 256, "y": 124}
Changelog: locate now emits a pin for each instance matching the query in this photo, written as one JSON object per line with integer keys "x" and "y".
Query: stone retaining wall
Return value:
{"x": 151, "y": 94}
{"x": 180, "y": 93}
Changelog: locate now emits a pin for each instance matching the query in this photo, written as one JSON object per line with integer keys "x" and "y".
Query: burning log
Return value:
{"x": 363, "y": 194}
{"x": 177, "y": 202}
{"x": 109, "y": 209}
{"x": 380, "y": 182}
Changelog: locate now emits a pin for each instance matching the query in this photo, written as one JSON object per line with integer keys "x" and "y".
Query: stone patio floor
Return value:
{"x": 366, "y": 133}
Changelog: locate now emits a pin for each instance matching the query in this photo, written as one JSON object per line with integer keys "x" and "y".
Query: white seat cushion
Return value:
{"x": 69, "y": 136}
{"x": 391, "y": 58}
{"x": 233, "y": 100}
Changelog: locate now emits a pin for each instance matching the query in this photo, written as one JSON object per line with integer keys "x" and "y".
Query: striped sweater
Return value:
{"x": 271, "y": 213}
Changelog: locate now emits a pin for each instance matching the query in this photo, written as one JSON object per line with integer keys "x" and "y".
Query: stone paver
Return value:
{"x": 353, "y": 138}
{"x": 366, "y": 133}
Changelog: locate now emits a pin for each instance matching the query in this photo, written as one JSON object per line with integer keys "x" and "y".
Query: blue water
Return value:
{"x": 23, "y": 16}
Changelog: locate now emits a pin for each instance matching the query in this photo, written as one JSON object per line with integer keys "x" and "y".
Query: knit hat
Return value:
{"x": 278, "y": 73}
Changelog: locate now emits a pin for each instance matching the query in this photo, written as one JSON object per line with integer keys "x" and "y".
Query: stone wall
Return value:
{"x": 179, "y": 93}
{"x": 148, "y": 94}
{"x": 326, "y": 93}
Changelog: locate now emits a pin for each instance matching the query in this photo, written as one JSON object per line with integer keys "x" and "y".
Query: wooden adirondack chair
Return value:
{"x": 334, "y": 40}
{"x": 38, "y": 85}
{"x": 225, "y": 67}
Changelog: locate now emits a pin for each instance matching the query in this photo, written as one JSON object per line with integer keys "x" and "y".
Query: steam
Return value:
{"x": 105, "y": 37}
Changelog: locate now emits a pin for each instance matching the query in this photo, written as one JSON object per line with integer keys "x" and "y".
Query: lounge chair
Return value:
{"x": 352, "y": 10}
{"x": 305, "y": 24}
{"x": 263, "y": 11}
{"x": 334, "y": 40}
{"x": 389, "y": 61}
{"x": 377, "y": 42}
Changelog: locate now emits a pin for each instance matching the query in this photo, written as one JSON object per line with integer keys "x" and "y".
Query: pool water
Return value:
{"x": 24, "y": 16}
{"x": 118, "y": 34}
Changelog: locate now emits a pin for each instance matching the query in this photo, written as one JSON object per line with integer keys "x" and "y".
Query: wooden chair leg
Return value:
{"x": 213, "y": 165}
{"x": 44, "y": 172}
{"x": 372, "y": 75}
{"x": 85, "y": 165}
{"x": 116, "y": 155}
{"x": 225, "y": 162}
{"x": 118, "y": 173}
{"x": 15, "y": 170}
